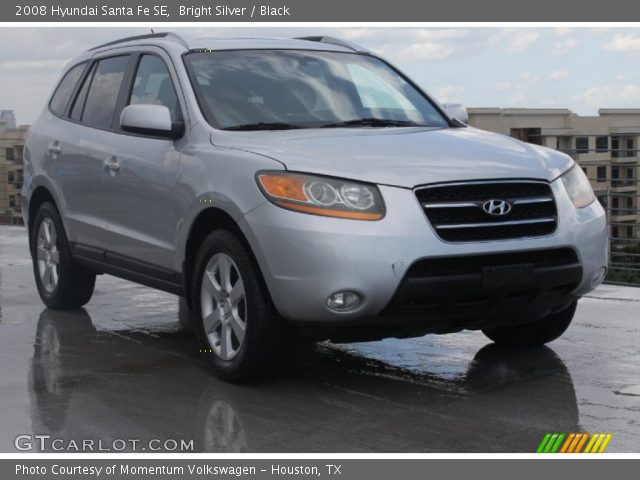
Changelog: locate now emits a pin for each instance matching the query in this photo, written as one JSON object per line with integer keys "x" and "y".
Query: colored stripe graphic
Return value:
{"x": 570, "y": 439}
{"x": 556, "y": 442}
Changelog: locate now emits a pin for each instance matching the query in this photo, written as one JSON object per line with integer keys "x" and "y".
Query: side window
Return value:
{"x": 153, "y": 86}
{"x": 103, "y": 91}
{"x": 78, "y": 106}
{"x": 62, "y": 95}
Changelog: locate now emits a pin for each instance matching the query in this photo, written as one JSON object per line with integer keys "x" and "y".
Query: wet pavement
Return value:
{"x": 127, "y": 367}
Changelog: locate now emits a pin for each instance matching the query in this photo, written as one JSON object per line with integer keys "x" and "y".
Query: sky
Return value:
{"x": 581, "y": 68}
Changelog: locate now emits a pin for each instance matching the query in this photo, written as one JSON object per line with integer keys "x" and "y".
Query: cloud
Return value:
{"x": 418, "y": 51}
{"x": 448, "y": 93}
{"x": 414, "y": 44}
{"x": 559, "y": 74}
{"x": 610, "y": 96}
{"x": 24, "y": 65}
{"x": 561, "y": 31}
{"x": 564, "y": 46}
{"x": 523, "y": 89}
{"x": 503, "y": 86}
{"x": 624, "y": 43}
{"x": 515, "y": 41}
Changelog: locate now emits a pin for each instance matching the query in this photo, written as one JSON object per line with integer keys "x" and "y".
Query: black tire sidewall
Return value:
{"x": 75, "y": 284}
{"x": 47, "y": 210}
{"x": 261, "y": 320}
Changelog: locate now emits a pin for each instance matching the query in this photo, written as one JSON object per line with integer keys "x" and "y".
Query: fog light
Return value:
{"x": 343, "y": 301}
{"x": 598, "y": 278}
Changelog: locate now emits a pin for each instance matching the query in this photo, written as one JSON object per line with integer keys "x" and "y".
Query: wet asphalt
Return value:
{"x": 127, "y": 367}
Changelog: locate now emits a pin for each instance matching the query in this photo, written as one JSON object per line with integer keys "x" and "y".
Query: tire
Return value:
{"x": 62, "y": 284}
{"x": 239, "y": 331}
{"x": 540, "y": 332}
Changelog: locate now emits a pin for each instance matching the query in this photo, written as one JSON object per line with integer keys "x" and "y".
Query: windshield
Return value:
{"x": 279, "y": 89}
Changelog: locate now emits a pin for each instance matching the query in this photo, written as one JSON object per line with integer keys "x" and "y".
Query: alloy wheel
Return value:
{"x": 223, "y": 306}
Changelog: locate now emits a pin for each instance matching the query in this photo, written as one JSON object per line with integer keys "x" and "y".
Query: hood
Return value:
{"x": 404, "y": 157}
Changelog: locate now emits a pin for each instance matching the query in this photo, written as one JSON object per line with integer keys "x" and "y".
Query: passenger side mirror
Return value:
{"x": 152, "y": 120}
{"x": 457, "y": 111}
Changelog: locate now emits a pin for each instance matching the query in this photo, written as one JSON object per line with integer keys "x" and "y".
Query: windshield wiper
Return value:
{"x": 373, "y": 122}
{"x": 264, "y": 126}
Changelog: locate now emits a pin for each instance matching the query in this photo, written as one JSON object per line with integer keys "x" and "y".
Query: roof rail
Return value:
{"x": 169, "y": 35}
{"x": 333, "y": 41}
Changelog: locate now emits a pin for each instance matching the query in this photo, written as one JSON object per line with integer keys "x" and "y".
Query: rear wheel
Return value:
{"x": 240, "y": 333}
{"x": 62, "y": 284}
{"x": 540, "y": 332}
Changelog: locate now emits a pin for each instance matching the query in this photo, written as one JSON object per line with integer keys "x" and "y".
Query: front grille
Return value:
{"x": 457, "y": 215}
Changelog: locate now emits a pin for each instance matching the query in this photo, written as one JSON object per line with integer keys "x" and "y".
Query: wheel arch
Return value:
{"x": 39, "y": 196}
{"x": 205, "y": 222}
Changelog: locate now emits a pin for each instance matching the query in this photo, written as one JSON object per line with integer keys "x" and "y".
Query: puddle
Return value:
{"x": 633, "y": 390}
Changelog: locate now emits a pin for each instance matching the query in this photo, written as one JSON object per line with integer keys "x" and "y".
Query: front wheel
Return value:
{"x": 540, "y": 332}
{"x": 62, "y": 284}
{"x": 240, "y": 333}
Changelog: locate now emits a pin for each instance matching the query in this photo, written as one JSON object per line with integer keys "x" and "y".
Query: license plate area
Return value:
{"x": 508, "y": 275}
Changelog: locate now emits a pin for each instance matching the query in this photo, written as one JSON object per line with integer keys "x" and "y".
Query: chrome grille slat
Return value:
{"x": 456, "y": 212}
{"x": 495, "y": 224}
{"x": 513, "y": 201}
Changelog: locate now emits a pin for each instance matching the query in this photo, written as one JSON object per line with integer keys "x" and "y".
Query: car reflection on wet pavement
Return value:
{"x": 127, "y": 367}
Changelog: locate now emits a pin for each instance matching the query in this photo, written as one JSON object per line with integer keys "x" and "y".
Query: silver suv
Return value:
{"x": 300, "y": 187}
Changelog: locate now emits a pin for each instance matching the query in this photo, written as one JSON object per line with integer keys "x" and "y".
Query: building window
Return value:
{"x": 12, "y": 201}
{"x": 10, "y": 177}
{"x": 582, "y": 144}
{"x": 615, "y": 204}
{"x": 602, "y": 144}
{"x": 529, "y": 135}
{"x": 615, "y": 172}
{"x": 19, "y": 153}
{"x": 615, "y": 147}
{"x": 629, "y": 232}
{"x": 629, "y": 205}
{"x": 602, "y": 198}
{"x": 586, "y": 172}
{"x": 602, "y": 174}
{"x": 630, "y": 153}
{"x": 629, "y": 173}
{"x": 10, "y": 154}
{"x": 614, "y": 232}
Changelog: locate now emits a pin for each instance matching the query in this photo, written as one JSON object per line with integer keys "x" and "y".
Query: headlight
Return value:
{"x": 324, "y": 196}
{"x": 578, "y": 187}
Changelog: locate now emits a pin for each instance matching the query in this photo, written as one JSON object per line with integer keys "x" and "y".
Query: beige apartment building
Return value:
{"x": 605, "y": 146}
{"x": 11, "y": 151}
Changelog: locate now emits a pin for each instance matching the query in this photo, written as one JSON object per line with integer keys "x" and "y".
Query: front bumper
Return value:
{"x": 306, "y": 258}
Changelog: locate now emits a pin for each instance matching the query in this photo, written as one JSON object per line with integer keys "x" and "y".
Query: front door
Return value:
{"x": 139, "y": 179}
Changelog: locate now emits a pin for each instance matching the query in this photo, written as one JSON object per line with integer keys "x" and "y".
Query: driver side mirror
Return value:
{"x": 457, "y": 111}
{"x": 154, "y": 120}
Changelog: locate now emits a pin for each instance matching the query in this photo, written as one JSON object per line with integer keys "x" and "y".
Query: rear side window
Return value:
{"x": 62, "y": 95}
{"x": 78, "y": 106}
{"x": 103, "y": 91}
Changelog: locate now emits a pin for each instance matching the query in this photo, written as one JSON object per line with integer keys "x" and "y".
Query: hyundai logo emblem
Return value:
{"x": 496, "y": 207}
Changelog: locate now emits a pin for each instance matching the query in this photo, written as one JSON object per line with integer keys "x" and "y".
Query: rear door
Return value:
{"x": 79, "y": 144}
{"x": 89, "y": 146}
{"x": 139, "y": 184}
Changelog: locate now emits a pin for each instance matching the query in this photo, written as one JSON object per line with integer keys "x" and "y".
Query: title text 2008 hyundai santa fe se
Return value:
{"x": 300, "y": 186}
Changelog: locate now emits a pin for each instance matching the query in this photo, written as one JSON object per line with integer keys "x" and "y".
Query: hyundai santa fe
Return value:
{"x": 300, "y": 188}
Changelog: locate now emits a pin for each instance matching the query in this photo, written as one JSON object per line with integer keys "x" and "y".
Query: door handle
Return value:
{"x": 112, "y": 165}
{"x": 55, "y": 148}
